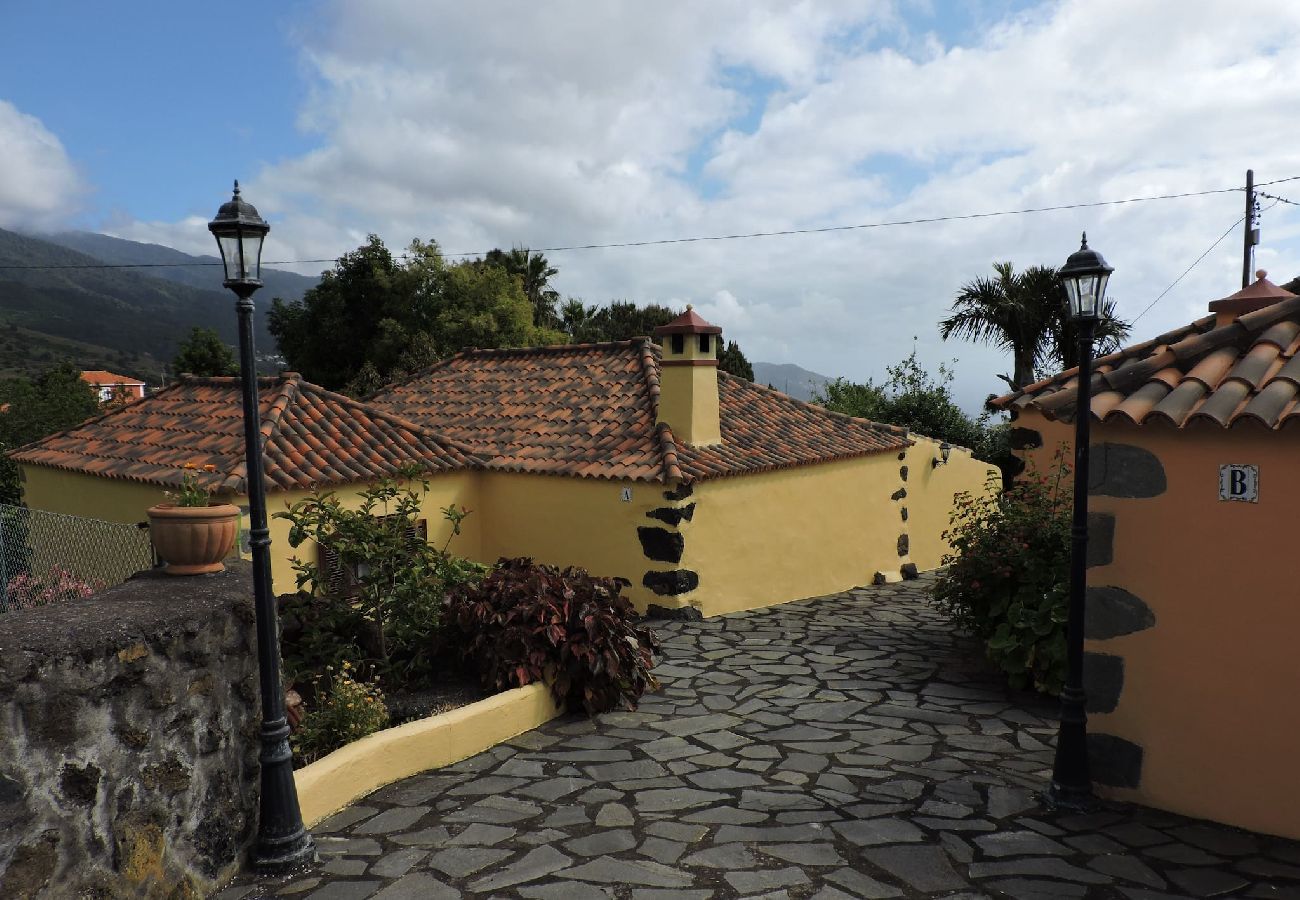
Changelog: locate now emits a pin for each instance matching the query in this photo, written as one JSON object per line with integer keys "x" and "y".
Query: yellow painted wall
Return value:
{"x": 930, "y": 493}
{"x": 1210, "y": 690}
{"x": 117, "y": 500}
{"x": 570, "y": 522}
{"x": 110, "y": 499}
{"x": 688, "y": 402}
{"x": 762, "y": 539}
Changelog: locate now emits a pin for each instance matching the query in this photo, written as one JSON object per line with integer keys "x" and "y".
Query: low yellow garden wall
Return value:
{"x": 350, "y": 773}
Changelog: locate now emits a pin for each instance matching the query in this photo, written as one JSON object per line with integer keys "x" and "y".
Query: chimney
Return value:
{"x": 1250, "y": 298}
{"x": 688, "y": 379}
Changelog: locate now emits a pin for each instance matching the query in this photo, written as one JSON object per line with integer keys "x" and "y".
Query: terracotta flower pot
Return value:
{"x": 193, "y": 540}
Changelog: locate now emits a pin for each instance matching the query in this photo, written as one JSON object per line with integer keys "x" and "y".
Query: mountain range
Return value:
{"x": 58, "y": 299}
{"x": 109, "y": 303}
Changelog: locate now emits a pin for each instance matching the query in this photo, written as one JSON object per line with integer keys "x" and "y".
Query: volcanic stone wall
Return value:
{"x": 128, "y": 739}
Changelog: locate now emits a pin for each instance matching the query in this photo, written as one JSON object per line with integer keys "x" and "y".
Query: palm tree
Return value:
{"x": 1025, "y": 314}
{"x": 535, "y": 272}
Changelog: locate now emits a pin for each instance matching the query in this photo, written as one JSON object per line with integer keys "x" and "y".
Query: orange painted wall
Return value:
{"x": 1212, "y": 691}
{"x": 1055, "y": 435}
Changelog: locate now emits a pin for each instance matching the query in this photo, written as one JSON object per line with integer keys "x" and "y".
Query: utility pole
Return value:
{"x": 1250, "y": 235}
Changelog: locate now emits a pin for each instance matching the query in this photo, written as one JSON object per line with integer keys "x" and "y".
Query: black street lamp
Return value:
{"x": 1084, "y": 278}
{"x": 282, "y": 841}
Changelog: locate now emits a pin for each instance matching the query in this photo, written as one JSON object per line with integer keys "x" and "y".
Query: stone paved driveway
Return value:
{"x": 848, "y": 746}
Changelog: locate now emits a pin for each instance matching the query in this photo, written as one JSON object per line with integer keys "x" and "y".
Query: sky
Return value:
{"x": 571, "y": 123}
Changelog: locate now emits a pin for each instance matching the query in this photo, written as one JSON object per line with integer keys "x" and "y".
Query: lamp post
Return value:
{"x": 282, "y": 841}
{"x": 1084, "y": 278}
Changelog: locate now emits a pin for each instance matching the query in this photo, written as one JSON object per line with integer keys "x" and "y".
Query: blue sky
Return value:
{"x": 511, "y": 124}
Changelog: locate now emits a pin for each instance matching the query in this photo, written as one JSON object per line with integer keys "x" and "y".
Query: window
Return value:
{"x": 704, "y": 343}
{"x": 679, "y": 343}
{"x": 344, "y": 579}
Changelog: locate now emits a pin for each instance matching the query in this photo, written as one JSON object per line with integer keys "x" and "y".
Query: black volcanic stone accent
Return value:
{"x": 1103, "y": 681}
{"x": 909, "y": 571}
{"x": 1101, "y": 539}
{"x": 80, "y": 784}
{"x": 902, "y": 456}
{"x": 902, "y": 511}
{"x": 898, "y": 494}
{"x": 902, "y": 472}
{"x": 1114, "y": 761}
{"x": 669, "y": 584}
{"x": 903, "y": 544}
{"x": 1025, "y": 438}
{"x": 878, "y": 578}
{"x": 681, "y": 492}
{"x": 1122, "y": 470}
{"x": 1111, "y": 612}
{"x": 660, "y": 544}
{"x": 673, "y": 515}
{"x": 674, "y": 613}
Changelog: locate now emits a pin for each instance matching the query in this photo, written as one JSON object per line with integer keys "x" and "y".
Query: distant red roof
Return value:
{"x": 99, "y": 376}
{"x": 589, "y": 410}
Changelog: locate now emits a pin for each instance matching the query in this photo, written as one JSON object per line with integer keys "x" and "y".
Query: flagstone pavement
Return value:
{"x": 847, "y": 746}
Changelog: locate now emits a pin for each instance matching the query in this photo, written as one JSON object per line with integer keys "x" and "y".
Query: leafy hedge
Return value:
{"x": 1007, "y": 579}
{"x": 528, "y": 622}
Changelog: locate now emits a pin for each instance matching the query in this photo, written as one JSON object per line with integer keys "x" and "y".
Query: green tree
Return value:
{"x": 1024, "y": 314}
{"x": 733, "y": 362}
{"x": 203, "y": 352}
{"x": 58, "y": 398}
{"x": 374, "y": 318}
{"x": 534, "y": 273}
{"x": 621, "y": 320}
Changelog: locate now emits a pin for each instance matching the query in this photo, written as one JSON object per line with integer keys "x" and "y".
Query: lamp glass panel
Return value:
{"x": 253, "y": 255}
{"x": 1072, "y": 295}
{"x": 229, "y": 244}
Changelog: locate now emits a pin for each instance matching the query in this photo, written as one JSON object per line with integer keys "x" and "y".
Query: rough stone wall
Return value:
{"x": 128, "y": 739}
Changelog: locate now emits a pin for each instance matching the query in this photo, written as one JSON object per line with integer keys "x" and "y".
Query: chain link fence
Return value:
{"x": 47, "y": 557}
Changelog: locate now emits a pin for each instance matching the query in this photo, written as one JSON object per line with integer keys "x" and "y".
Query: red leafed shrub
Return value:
{"x": 529, "y": 622}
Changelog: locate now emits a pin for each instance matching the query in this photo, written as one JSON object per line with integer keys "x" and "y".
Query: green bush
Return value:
{"x": 344, "y": 710}
{"x": 529, "y": 622}
{"x": 1007, "y": 578}
{"x": 381, "y": 601}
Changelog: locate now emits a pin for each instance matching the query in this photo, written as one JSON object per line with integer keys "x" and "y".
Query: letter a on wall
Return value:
{"x": 1238, "y": 482}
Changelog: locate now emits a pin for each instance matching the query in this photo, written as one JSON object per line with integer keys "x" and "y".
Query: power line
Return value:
{"x": 1276, "y": 199}
{"x": 705, "y": 238}
{"x": 1231, "y": 228}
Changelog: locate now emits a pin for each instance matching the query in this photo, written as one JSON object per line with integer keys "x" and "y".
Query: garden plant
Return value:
{"x": 1007, "y": 577}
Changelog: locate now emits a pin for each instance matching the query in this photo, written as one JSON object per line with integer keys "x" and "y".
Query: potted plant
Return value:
{"x": 193, "y": 535}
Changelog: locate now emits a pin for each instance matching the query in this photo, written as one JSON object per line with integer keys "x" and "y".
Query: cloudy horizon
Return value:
{"x": 503, "y": 124}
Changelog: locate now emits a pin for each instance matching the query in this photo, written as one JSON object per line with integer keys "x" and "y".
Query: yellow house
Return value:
{"x": 706, "y": 492}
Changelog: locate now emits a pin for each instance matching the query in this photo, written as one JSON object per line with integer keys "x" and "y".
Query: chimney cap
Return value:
{"x": 688, "y": 322}
{"x": 1259, "y": 294}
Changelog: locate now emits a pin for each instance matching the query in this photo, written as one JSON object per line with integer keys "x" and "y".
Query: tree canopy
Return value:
{"x": 623, "y": 320}
{"x": 1024, "y": 314}
{"x": 203, "y": 352}
{"x": 56, "y": 399}
{"x": 534, "y": 274}
{"x": 918, "y": 401}
{"x": 375, "y": 318}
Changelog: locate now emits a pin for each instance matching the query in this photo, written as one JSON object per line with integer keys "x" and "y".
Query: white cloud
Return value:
{"x": 495, "y": 124}
{"x": 39, "y": 186}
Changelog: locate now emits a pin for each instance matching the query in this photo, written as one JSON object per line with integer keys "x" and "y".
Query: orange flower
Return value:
{"x": 209, "y": 468}
{"x": 190, "y": 466}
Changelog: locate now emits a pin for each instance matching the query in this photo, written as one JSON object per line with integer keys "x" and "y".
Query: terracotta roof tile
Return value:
{"x": 312, "y": 438}
{"x": 590, "y": 410}
{"x": 1245, "y": 369}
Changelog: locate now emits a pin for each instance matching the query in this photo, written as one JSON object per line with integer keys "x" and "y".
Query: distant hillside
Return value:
{"x": 203, "y": 272}
{"x": 116, "y": 317}
{"x": 790, "y": 379}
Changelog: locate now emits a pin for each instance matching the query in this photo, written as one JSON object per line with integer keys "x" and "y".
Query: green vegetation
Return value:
{"x": 375, "y": 318}
{"x": 119, "y": 319}
{"x": 914, "y": 399}
{"x": 56, "y": 399}
{"x": 204, "y": 353}
{"x": 377, "y": 599}
{"x": 527, "y": 622}
{"x": 343, "y": 710}
{"x": 1025, "y": 314}
{"x": 1007, "y": 577}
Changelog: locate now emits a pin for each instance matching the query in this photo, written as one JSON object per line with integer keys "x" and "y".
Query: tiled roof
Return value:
{"x": 99, "y": 376}
{"x": 1245, "y": 370}
{"x": 589, "y": 410}
{"x": 311, "y": 438}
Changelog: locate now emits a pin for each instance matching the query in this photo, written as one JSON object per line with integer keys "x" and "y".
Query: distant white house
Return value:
{"x": 111, "y": 385}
